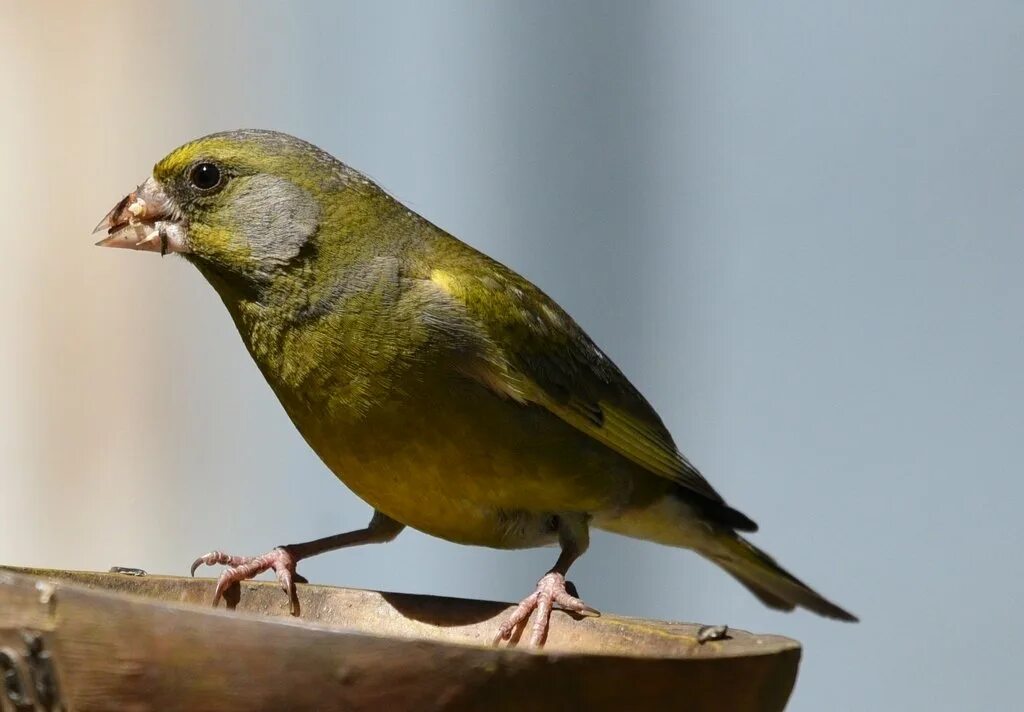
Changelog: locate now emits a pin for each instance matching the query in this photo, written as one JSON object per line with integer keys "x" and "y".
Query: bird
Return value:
{"x": 444, "y": 389}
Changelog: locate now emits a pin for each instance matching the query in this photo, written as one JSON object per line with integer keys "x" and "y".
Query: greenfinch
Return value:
{"x": 444, "y": 389}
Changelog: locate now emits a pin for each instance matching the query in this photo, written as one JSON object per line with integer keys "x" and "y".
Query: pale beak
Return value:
{"x": 145, "y": 219}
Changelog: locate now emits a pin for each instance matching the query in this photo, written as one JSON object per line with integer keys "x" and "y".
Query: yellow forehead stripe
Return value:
{"x": 181, "y": 158}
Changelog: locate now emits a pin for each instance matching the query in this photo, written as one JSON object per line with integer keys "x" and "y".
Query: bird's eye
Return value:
{"x": 205, "y": 176}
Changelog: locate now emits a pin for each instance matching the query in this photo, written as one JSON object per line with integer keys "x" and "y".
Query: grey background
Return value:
{"x": 796, "y": 226}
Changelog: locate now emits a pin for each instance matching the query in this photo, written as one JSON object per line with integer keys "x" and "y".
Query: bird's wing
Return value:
{"x": 529, "y": 350}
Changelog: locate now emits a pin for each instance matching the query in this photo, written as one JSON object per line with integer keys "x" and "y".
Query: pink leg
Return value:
{"x": 283, "y": 559}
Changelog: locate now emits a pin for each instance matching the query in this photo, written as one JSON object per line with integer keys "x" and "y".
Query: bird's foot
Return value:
{"x": 551, "y": 589}
{"x": 242, "y": 568}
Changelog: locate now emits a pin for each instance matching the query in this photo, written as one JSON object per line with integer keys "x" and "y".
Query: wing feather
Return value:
{"x": 534, "y": 353}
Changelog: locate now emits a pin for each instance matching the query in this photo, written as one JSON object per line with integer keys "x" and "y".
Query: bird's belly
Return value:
{"x": 427, "y": 500}
{"x": 473, "y": 468}
{"x": 446, "y": 492}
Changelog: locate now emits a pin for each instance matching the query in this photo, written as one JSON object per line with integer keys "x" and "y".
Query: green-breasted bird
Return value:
{"x": 444, "y": 389}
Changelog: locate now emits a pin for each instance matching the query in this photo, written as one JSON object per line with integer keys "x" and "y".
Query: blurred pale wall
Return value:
{"x": 797, "y": 226}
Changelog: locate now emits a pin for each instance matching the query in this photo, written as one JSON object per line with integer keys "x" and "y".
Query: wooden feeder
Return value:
{"x": 78, "y": 641}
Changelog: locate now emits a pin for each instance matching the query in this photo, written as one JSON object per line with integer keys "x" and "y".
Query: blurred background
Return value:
{"x": 797, "y": 226}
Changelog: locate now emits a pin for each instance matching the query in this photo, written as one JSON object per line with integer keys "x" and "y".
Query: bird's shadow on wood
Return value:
{"x": 444, "y": 612}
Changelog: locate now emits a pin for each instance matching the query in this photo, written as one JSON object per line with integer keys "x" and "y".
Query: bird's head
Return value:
{"x": 241, "y": 204}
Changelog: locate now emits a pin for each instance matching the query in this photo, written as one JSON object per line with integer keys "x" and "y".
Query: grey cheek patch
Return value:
{"x": 276, "y": 218}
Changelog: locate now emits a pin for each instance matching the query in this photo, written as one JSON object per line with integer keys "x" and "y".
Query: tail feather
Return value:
{"x": 764, "y": 595}
{"x": 679, "y": 520}
{"x": 773, "y": 585}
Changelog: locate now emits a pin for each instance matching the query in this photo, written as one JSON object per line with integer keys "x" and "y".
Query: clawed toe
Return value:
{"x": 551, "y": 590}
{"x": 243, "y": 568}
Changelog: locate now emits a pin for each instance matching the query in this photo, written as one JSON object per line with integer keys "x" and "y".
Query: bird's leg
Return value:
{"x": 283, "y": 559}
{"x": 574, "y": 537}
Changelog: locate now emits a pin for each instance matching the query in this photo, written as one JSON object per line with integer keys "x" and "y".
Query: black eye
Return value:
{"x": 205, "y": 176}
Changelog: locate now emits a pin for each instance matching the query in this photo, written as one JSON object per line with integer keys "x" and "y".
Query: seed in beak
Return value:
{"x": 137, "y": 208}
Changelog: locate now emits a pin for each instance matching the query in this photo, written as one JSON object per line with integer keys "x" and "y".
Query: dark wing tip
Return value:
{"x": 737, "y": 519}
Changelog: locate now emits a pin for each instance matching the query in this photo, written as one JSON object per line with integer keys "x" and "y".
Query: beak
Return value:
{"x": 145, "y": 219}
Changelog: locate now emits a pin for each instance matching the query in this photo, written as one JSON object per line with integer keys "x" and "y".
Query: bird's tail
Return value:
{"x": 773, "y": 585}
{"x": 710, "y": 531}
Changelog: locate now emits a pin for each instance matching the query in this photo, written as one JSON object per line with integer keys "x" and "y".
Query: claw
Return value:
{"x": 294, "y": 608}
{"x": 195, "y": 565}
{"x": 241, "y": 568}
{"x": 212, "y": 558}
